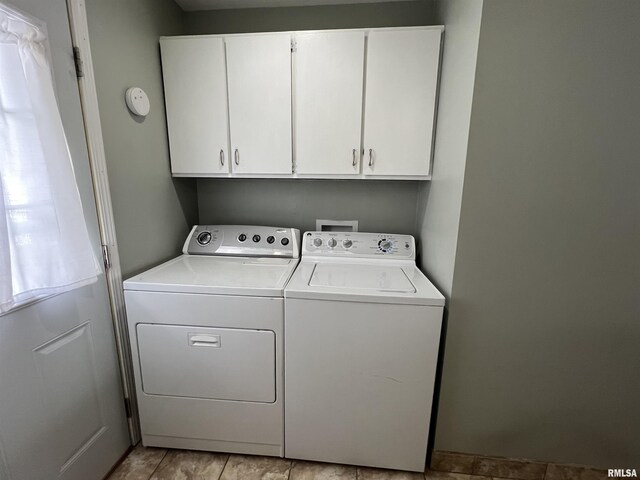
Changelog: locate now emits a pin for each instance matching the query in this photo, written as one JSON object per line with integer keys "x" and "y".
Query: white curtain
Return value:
{"x": 44, "y": 242}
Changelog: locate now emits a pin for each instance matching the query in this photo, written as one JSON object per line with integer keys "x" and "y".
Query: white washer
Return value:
{"x": 362, "y": 329}
{"x": 206, "y": 331}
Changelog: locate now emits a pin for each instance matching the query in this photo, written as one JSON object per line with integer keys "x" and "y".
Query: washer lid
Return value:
{"x": 363, "y": 277}
{"x": 368, "y": 282}
{"x": 217, "y": 275}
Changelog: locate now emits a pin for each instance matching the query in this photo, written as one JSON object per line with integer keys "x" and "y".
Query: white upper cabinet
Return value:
{"x": 328, "y": 73}
{"x": 195, "y": 86}
{"x": 259, "y": 77}
{"x": 400, "y": 101}
{"x": 344, "y": 104}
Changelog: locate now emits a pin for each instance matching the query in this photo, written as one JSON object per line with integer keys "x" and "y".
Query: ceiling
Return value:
{"x": 194, "y": 5}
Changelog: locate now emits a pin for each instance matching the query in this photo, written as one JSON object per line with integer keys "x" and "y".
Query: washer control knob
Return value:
{"x": 204, "y": 238}
{"x": 284, "y": 241}
{"x": 317, "y": 242}
{"x": 271, "y": 239}
{"x": 385, "y": 245}
{"x": 256, "y": 238}
{"x": 347, "y": 243}
{"x": 332, "y": 242}
{"x": 242, "y": 237}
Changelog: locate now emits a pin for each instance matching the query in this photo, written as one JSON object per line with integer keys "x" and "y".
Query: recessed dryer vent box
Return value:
{"x": 337, "y": 225}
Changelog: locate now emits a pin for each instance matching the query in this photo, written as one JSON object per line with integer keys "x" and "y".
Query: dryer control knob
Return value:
{"x": 204, "y": 238}
{"x": 332, "y": 242}
{"x": 317, "y": 242}
{"x": 347, "y": 243}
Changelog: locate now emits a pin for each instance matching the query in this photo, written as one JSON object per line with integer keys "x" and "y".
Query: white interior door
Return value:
{"x": 195, "y": 86}
{"x": 259, "y": 78}
{"x": 61, "y": 405}
{"x": 328, "y": 102}
{"x": 400, "y": 101}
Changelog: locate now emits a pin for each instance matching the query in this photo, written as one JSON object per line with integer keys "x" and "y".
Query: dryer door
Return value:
{"x": 213, "y": 363}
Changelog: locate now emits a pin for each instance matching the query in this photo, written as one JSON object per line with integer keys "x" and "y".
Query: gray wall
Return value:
{"x": 152, "y": 211}
{"x": 386, "y": 14}
{"x": 543, "y": 343}
{"x": 440, "y": 199}
{"x": 378, "y": 205}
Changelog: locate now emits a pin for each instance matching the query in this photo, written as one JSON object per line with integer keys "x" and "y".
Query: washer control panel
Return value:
{"x": 359, "y": 244}
{"x": 243, "y": 241}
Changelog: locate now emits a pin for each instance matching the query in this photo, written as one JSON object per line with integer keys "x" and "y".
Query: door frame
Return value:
{"x": 97, "y": 159}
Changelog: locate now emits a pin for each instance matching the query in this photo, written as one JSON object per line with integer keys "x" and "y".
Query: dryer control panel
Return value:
{"x": 359, "y": 245}
{"x": 243, "y": 241}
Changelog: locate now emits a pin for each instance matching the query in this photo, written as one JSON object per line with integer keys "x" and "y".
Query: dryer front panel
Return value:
{"x": 210, "y": 363}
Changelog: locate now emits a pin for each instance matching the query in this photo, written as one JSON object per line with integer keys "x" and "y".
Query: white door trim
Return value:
{"x": 97, "y": 159}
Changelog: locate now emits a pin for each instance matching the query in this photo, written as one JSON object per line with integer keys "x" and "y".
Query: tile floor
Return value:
{"x": 162, "y": 464}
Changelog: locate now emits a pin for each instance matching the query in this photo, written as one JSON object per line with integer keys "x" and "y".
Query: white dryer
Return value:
{"x": 206, "y": 331}
{"x": 362, "y": 329}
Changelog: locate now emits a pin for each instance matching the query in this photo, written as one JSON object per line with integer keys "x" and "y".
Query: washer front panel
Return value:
{"x": 359, "y": 382}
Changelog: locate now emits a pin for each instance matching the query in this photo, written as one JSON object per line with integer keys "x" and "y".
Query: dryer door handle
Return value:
{"x": 203, "y": 340}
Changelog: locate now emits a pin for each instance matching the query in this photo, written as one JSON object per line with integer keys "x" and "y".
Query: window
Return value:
{"x": 44, "y": 242}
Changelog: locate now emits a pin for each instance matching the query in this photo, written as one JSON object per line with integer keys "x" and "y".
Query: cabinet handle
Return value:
{"x": 354, "y": 162}
{"x": 237, "y": 155}
{"x": 371, "y": 157}
{"x": 222, "y": 157}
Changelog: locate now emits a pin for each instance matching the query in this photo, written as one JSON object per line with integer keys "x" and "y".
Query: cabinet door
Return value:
{"x": 259, "y": 76}
{"x": 328, "y": 102}
{"x": 400, "y": 101}
{"x": 195, "y": 89}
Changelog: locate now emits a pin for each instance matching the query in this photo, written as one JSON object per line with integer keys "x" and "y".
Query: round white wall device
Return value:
{"x": 137, "y": 101}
